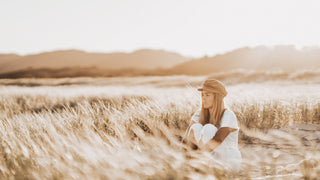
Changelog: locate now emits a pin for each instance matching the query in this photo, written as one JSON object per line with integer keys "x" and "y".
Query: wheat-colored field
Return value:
{"x": 131, "y": 128}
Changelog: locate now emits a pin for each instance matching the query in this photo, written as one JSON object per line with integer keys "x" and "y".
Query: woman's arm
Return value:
{"x": 220, "y": 136}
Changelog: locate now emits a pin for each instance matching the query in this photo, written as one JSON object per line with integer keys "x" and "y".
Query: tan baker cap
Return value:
{"x": 215, "y": 86}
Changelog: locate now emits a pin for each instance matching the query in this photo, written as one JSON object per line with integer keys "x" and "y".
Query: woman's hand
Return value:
{"x": 211, "y": 145}
{"x": 201, "y": 145}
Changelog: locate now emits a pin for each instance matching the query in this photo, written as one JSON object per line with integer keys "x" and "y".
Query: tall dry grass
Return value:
{"x": 134, "y": 132}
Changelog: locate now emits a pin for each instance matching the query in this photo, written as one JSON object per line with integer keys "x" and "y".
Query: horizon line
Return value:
{"x": 160, "y": 49}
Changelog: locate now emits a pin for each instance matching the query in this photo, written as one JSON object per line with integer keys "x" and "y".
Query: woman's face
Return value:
{"x": 207, "y": 99}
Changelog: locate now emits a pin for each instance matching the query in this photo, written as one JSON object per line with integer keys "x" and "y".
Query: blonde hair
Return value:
{"x": 218, "y": 90}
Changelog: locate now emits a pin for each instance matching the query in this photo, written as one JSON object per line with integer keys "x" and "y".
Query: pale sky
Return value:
{"x": 191, "y": 28}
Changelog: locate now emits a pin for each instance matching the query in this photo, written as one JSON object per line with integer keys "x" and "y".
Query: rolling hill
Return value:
{"x": 285, "y": 58}
{"x": 141, "y": 59}
{"x": 74, "y": 63}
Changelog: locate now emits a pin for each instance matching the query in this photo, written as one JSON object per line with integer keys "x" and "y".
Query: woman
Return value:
{"x": 214, "y": 128}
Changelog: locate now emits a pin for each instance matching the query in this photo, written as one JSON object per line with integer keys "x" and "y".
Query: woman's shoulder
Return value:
{"x": 197, "y": 112}
{"x": 196, "y": 115}
{"x": 229, "y": 119}
{"x": 229, "y": 113}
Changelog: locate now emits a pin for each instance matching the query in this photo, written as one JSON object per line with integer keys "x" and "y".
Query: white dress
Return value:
{"x": 227, "y": 152}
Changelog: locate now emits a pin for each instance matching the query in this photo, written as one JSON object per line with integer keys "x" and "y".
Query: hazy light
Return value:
{"x": 192, "y": 28}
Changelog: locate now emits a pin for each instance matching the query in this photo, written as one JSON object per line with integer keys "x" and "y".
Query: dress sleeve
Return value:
{"x": 229, "y": 120}
{"x": 196, "y": 116}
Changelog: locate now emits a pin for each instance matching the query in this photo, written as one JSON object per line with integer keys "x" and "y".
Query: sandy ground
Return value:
{"x": 285, "y": 153}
